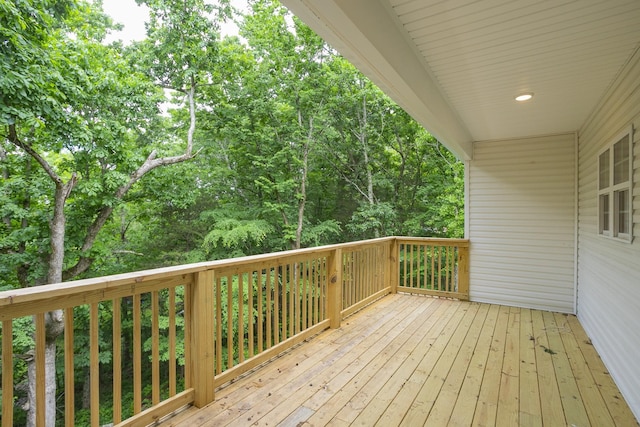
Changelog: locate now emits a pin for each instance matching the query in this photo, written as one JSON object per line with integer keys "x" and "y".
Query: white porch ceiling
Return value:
{"x": 456, "y": 65}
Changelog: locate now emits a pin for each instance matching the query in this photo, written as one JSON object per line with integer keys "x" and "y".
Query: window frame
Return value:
{"x": 609, "y": 213}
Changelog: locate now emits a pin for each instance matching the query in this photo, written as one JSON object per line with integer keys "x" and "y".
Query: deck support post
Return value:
{"x": 202, "y": 338}
{"x": 463, "y": 271}
{"x": 392, "y": 266}
{"x": 334, "y": 291}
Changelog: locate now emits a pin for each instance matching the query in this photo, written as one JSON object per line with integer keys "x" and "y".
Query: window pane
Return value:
{"x": 603, "y": 169}
{"x": 621, "y": 161}
{"x": 604, "y": 213}
{"x": 622, "y": 211}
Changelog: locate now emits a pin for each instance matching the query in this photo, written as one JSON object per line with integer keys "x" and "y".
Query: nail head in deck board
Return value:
{"x": 574, "y": 410}
{"x": 530, "y": 411}
{"x": 550, "y": 401}
{"x": 618, "y": 408}
{"x": 508, "y": 404}
{"x": 597, "y": 410}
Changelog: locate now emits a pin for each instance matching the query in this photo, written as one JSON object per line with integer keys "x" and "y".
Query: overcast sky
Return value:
{"x": 133, "y": 17}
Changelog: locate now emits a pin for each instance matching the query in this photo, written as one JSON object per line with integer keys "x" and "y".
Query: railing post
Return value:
{"x": 463, "y": 271}
{"x": 393, "y": 267}
{"x": 202, "y": 338}
{"x": 334, "y": 291}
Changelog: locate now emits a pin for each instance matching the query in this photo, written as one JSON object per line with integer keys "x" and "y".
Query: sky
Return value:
{"x": 133, "y": 17}
{"x": 128, "y": 13}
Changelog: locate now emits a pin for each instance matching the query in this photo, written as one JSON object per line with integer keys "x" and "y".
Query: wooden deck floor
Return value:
{"x": 413, "y": 361}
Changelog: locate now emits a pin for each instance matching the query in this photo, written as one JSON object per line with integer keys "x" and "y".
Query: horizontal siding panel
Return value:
{"x": 551, "y": 256}
{"x": 522, "y": 222}
{"x": 608, "y": 270}
{"x": 523, "y": 299}
{"x": 537, "y": 281}
{"x": 505, "y": 289}
{"x": 520, "y": 265}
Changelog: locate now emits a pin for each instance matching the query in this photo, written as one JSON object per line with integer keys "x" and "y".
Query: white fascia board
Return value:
{"x": 364, "y": 33}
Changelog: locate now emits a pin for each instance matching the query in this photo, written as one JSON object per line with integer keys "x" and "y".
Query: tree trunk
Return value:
{"x": 54, "y": 320}
{"x": 50, "y": 387}
{"x": 302, "y": 198}
{"x": 363, "y": 137}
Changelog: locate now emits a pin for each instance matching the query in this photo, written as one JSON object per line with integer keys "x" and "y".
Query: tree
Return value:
{"x": 289, "y": 78}
{"x": 87, "y": 131}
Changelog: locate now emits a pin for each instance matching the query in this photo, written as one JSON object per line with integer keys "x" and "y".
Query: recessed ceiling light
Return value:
{"x": 524, "y": 97}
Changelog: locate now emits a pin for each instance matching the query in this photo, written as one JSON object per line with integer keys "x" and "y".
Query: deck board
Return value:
{"x": 415, "y": 360}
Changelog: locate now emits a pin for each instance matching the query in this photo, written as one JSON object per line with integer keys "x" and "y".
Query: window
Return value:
{"x": 615, "y": 171}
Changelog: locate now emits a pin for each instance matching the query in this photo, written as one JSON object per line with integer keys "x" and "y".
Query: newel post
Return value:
{"x": 393, "y": 267}
{"x": 463, "y": 271}
{"x": 202, "y": 338}
{"x": 334, "y": 291}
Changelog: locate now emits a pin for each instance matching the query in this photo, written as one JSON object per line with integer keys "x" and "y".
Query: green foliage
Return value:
{"x": 293, "y": 145}
{"x": 230, "y": 233}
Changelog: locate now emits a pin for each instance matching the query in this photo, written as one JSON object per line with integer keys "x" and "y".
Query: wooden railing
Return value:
{"x": 438, "y": 267}
{"x": 196, "y": 327}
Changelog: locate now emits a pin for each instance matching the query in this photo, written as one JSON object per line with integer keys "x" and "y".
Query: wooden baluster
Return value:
{"x": 94, "y": 363}
{"x": 40, "y": 369}
{"x": 357, "y": 256}
{"x": 137, "y": 355}
{"x": 250, "y": 313}
{"x": 305, "y": 295}
{"x": 282, "y": 273}
{"x": 7, "y": 373}
{"x": 310, "y": 292}
{"x": 411, "y": 264}
{"x": 218, "y": 324}
{"x": 230, "y": 320}
{"x": 116, "y": 350}
{"x": 323, "y": 289}
{"x": 291, "y": 285}
{"x": 260, "y": 313}
{"x": 276, "y": 304}
{"x": 155, "y": 348}
{"x": 440, "y": 268}
{"x": 69, "y": 378}
{"x": 447, "y": 269}
{"x": 269, "y": 307}
{"x": 404, "y": 264}
{"x": 240, "y": 317}
{"x": 172, "y": 343}
{"x": 317, "y": 289}
{"x": 297, "y": 268}
{"x": 425, "y": 266}
{"x": 188, "y": 321}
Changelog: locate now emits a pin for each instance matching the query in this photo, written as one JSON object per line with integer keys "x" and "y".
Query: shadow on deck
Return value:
{"x": 415, "y": 360}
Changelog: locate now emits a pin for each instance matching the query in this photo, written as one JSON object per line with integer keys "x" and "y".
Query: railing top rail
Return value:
{"x": 106, "y": 284}
{"x": 435, "y": 241}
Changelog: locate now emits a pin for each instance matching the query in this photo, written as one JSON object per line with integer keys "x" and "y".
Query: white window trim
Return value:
{"x": 613, "y": 189}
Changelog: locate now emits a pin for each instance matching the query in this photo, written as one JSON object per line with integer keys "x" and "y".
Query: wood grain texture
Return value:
{"x": 432, "y": 361}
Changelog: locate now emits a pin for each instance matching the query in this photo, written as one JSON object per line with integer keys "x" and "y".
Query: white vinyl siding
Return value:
{"x": 609, "y": 270}
{"x": 521, "y": 204}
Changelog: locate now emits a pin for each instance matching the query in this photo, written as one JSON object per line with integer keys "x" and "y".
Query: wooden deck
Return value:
{"x": 414, "y": 360}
